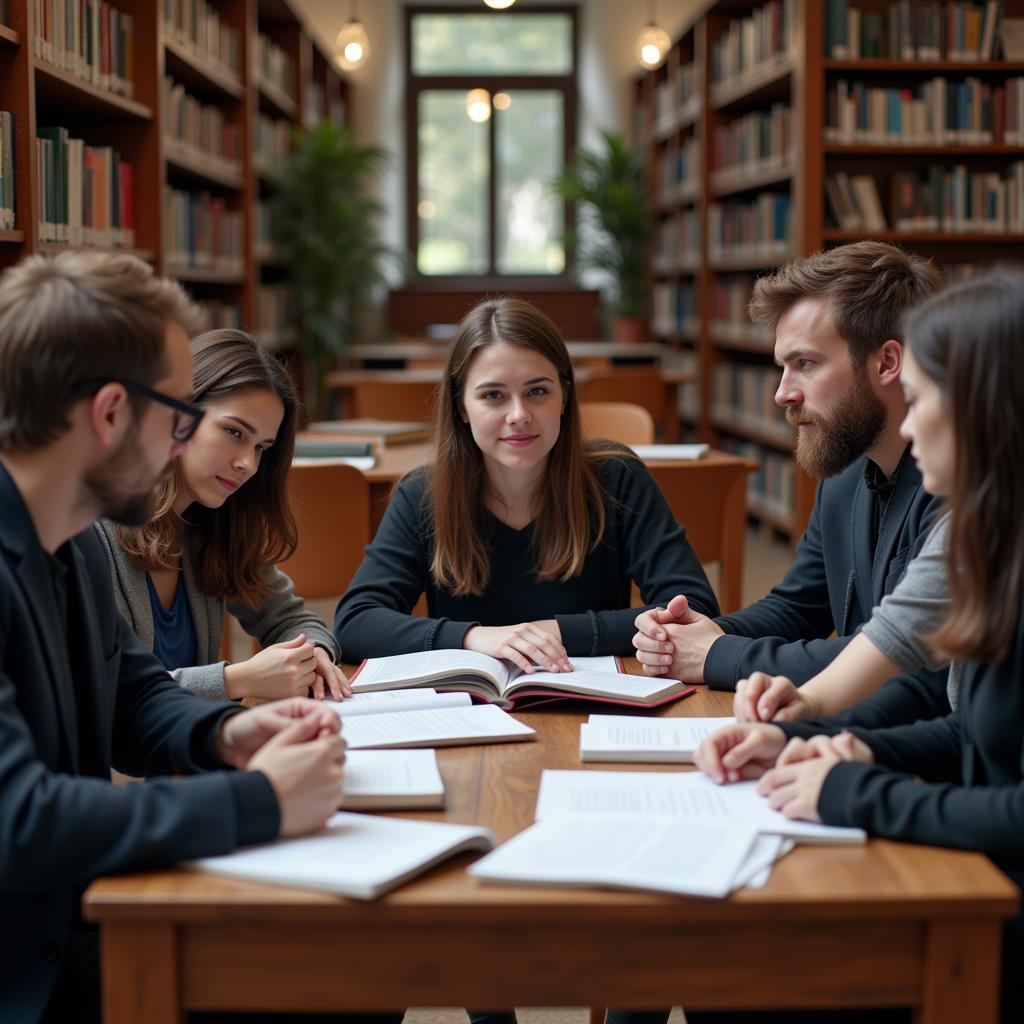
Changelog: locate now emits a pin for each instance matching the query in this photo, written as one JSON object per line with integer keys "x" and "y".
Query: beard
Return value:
{"x": 112, "y": 489}
{"x": 845, "y": 433}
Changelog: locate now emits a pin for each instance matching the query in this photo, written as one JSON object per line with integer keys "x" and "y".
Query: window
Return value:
{"x": 492, "y": 109}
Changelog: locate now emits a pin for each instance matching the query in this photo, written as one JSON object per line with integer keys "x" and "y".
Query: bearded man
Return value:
{"x": 836, "y": 317}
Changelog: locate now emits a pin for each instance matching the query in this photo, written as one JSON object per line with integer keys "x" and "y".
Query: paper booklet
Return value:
{"x": 356, "y": 855}
{"x": 667, "y": 452}
{"x": 441, "y": 727}
{"x": 382, "y": 780}
{"x": 383, "y": 701}
{"x": 502, "y": 683}
{"x": 681, "y": 796}
{"x": 690, "y": 858}
{"x": 652, "y": 740}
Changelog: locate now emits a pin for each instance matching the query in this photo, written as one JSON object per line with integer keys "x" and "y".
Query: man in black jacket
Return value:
{"x": 836, "y": 319}
{"x": 95, "y": 378}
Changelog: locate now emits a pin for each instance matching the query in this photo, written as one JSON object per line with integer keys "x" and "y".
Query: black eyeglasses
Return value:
{"x": 186, "y": 417}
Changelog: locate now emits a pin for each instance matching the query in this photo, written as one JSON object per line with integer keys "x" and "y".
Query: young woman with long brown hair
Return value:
{"x": 221, "y": 524}
{"x": 964, "y": 384}
{"x": 524, "y": 537}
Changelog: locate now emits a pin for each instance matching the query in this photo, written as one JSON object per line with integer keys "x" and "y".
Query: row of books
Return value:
{"x": 201, "y": 128}
{"x": 748, "y": 45}
{"x": 220, "y": 314}
{"x": 200, "y": 231}
{"x": 936, "y": 199}
{"x": 197, "y": 26}
{"x": 935, "y": 112}
{"x": 759, "y": 228}
{"x": 743, "y": 397}
{"x": 275, "y": 65}
{"x": 771, "y": 490}
{"x": 272, "y": 140}
{"x": 7, "y": 181}
{"x": 677, "y": 172}
{"x": 754, "y": 141}
{"x": 87, "y": 193}
{"x": 923, "y": 30}
{"x": 673, "y": 308}
{"x": 677, "y": 243}
{"x": 266, "y": 226}
{"x": 275, "y": 314}
{"x": 90, "y": 39}
{"x": 730, "y": 297}
{"x": 676, "y": 99}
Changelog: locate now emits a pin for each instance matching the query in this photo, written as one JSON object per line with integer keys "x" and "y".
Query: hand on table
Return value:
{"x": 675, "y": 641}
{"x": 329, "y": 676}
{"x": 527, "y": 644}
{"x": 765, "y": 698}
{"x": 281, "y": 670}
{"x": 743, "y": 751}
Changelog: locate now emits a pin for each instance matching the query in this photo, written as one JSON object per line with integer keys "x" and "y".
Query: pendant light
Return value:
{"x": 499, "y": 5}
{"x": 652, "y": 44}
{"x": 352, "y": 45}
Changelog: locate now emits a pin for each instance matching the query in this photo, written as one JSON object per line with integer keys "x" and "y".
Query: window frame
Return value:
{"x": 416, "y": 84}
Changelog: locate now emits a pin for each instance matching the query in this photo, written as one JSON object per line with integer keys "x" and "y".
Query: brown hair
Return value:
{"x": 73, "y": 318}
{"x": 968, "y": 340}
{"x": 867, "y": 285}
{"x": 231, "y": 546}
{"x": 571, "y": 518}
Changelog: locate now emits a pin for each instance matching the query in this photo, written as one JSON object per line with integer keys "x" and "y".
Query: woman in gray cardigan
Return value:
{"x": 208, "y": 548}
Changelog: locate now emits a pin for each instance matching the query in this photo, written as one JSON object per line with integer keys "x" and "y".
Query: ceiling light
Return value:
{"x": 352, "y": 46}
{"x": 478, "y": 105}
{"x": 652, "y": 44}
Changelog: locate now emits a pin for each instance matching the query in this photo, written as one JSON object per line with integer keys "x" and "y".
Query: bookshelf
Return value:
{"x": 177, "y": 95}
{"x": 930, "y": 156}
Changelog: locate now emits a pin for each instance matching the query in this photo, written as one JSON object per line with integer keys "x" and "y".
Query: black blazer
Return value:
{"x": 833, "y": 584}
{"x": 71, "y": 707}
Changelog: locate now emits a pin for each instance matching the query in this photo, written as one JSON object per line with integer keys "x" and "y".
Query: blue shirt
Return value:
{"x": 174, "y": 632}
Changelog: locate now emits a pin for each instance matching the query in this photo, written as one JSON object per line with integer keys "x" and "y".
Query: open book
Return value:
{"x": 355, "y": 855}
{"x": 502, "y": 683}
{"x": 390, "y": 780}
{"x": 640, "y": 739}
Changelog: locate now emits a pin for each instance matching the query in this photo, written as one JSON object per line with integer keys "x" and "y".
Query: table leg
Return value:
{"x": 140, "y": 974}
{"x": 961, "y": 974}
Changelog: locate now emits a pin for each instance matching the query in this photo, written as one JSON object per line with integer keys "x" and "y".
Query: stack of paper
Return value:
{"x": 354, "y": 854}
{"x": 441, "y": 727}
{"x": 378, "y": 780}
{"x": 643, "y": 739}
{"x": 381, "y": 702}
{"x": 672, "y": 832}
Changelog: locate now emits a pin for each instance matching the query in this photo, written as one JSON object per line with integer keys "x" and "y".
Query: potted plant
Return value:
{"x": 610, "y": 190}
{"x": 327, "y": 231}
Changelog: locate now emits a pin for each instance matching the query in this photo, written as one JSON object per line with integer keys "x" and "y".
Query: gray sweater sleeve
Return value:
{"x": 915, "y": 608}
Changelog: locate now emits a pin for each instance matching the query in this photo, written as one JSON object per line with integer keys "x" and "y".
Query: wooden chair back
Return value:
{"x": 331, "y": 505}
{"x": 617, "y": 421}
{"x": 395, "y": 399}
{"x": 638, "y": 385}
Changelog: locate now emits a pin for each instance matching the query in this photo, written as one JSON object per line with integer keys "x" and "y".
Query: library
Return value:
{"x": 565, "y": 353}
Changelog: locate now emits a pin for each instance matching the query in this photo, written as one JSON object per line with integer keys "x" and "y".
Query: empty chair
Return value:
{"x": 382, "y": 399}
{"x": 617, "y": 421}
{"x": 638, "y": 385}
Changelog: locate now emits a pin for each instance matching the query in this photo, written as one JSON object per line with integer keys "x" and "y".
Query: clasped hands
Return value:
{"x": 675, "y": 641}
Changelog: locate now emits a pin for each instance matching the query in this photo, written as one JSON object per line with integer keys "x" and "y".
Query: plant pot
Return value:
{"x": 630, "y": 330}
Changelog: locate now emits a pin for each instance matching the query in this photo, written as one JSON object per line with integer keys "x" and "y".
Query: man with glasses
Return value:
{"x": 95, "y": 381}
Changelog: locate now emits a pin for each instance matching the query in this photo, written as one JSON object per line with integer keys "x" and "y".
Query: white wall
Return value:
{"x": 607, "y": 29}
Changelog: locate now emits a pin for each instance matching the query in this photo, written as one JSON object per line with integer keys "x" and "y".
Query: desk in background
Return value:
{"x": 882, "y": 924}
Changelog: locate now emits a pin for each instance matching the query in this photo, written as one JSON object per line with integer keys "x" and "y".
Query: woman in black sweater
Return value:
{"x": 956, "y": 781}
{"x": 524, "y": 538}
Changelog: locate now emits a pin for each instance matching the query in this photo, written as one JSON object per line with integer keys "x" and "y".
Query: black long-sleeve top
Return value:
{"x": 642, "y": 542}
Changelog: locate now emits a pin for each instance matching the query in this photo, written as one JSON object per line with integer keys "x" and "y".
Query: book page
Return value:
{"x": 371, "y": 774}
{"x": 689, "y": 796}
{"x": 427, "y": 667}
{"x": 482, "y": 723}
{"x": 618, "y": 685}
{"x": 690, "y": 858}
{"x": 378, "y": 702}
{"x": 356, "y": 855}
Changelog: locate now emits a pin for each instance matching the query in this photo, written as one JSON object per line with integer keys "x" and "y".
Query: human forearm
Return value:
{"x": 857, "y": 672}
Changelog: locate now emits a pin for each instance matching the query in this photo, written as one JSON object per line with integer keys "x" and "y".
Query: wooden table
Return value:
{"x": 882, "y": 924}
{"x": 707, "y": 495}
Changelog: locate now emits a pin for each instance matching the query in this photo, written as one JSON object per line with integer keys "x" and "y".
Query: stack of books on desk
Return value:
{"x": 674, "y": 832}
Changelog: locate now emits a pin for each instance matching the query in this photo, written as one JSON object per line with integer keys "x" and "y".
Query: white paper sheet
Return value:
{"x": 666, "y": 452}
{"x": 482, "y": 723}
{"x": 379, "y": 702}
{"x": 381, "y": 779}
{"x": 638, "y": 739}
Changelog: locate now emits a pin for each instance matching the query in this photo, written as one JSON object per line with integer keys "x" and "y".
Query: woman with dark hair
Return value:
{"x": 956, "y": 781}
{"x": 524, "y": 538}
{"x": 222, "y": 522}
